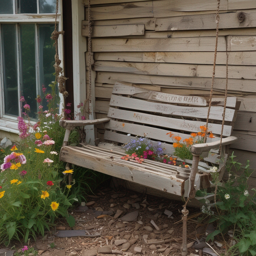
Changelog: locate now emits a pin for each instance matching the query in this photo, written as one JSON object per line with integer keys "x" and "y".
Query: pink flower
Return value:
{"x": 83, "y": 117}
{"x": 23, "y": 173}
{"x": 22, "y": 159}
{"x": 40, "y": 107}
{"x": 36, "y": 126}
{"x": 38, "y": 99}
{"x": 48, "y": 114}
{"x": 26, "y": 106}
{"x": 39, "y": 143}
{"x": 22, "y": 99}
{"x": 69, "y": 104}
{"x": 46, "y": 111}
{"x": 67, "y": 111}
{"x": 49, "y": 142}
{"x": 44, "y": 89}
{"x": 150, "y": 152}
{"x": 23, "y": 128}
{"x": 164, "y": 161}
{"x": 48, "y": 161}
{"x": 25, "y": 248}
{"x": 6, "y": 166}
{"x": 48, "y": 96}
{"x": 46, "y": 137}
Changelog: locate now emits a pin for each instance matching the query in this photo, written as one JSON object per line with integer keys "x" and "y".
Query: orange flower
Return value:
{"x": 175, "y": 144}
{"x": 203, "y": 128}
{"x": 211, "y": 136}
{"x": 171, "y": 158}
{"x": 193, "y": 134}
{"x": 203, "y": 135}
{"x": 189, "y": 141}
{"x": 199, "y": 133}
{"x": 169, "y": 133}
{"x": 178, "y": 138}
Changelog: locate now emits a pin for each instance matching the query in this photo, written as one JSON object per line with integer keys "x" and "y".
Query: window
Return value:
{"x": 26, "y": 54}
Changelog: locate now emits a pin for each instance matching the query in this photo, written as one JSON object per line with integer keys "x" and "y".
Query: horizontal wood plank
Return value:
{"x": 185, "y": 82}
{"x": 183, "y": 70}
{"x": 122, "y": 11}
{"x": 123, "y": 139}
{"x": 97, "y": 2}
{"x": 206, "y": 21}
{"x": 216, "y": 113}
{"x": 149, "y": 23}
{"x": 170, "y": 123}
{"x": 114, "y": 31}
{"x": 101, "y": 106}
{"x": 148, "y": 45}
{"x": 123, "y": 170}
{"x": 241, "y": 43}
{"x": 234, "y": 58}
{"x": 246, "y": 141}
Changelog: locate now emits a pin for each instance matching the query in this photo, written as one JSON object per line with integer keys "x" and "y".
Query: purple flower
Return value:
{"x": 67, "y": 111}
{"x": 23, "y": 173}
{"x": 25, "y": 248}
{"x": 6, "y": 166}
{"x": 23, "y": 128}
{"x": 68, "y": 104}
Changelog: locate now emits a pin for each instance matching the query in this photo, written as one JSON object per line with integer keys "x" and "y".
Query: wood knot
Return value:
{"x": 241, "y": 17}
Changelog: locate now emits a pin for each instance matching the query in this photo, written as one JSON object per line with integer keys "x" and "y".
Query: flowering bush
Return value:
{"x": 235, "y": 215}
{"x": 182, "y": 149}
{"x": 30, "y": 193}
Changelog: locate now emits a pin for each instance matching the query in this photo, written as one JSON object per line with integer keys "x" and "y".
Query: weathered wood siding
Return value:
{"x": 168, "y": 46}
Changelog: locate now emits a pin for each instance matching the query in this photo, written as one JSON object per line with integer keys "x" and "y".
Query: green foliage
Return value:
{"x": 236, "y": 209}
{"x": 183, "y": 152}
{"x": 29, "y": 252}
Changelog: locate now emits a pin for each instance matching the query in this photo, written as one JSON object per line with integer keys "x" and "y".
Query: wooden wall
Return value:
{"x": 168, "y": 46}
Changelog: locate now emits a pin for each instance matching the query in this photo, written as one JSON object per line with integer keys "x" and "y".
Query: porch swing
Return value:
{"x": 139, "y": 112}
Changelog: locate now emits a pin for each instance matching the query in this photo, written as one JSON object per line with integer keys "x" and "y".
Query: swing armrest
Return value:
{"x": 198, "y": 149}
{"x": 69, "y": 124}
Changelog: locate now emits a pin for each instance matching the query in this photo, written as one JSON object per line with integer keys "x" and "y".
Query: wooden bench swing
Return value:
{"x": 139, "y": 112}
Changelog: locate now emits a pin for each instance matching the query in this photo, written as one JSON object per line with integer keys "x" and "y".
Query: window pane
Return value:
{"x": 10, "y": 70}
{"x": 27, "y": 6}
{"x": 28, "y": 71}
{"x": 6, "y": 6}
{"x": 47, "y": 6}
{"x": 46, "y": 56}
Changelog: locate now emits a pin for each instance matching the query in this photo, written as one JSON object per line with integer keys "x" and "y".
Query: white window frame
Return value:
{"x": 10, "y": 123}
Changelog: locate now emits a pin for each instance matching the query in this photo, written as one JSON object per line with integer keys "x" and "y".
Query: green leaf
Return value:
{"x": 25, "y": 195}
{"x": 71, "y": 221}
{"x": 17, "y": 204}
{"x": 31, "y": 223}
{"x": 244, "y": 245}
{"x": 252, "y": 252}
{"x": 11, "y": 229}
{"x": 212, "y": 235}
{"x": 66, "y": 202}
{"x": 4, "y": 217}
{"x": 26, "y": 235}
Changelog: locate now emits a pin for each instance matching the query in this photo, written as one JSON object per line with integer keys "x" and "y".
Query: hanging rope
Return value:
{"x": 90, "y": 54}
{"x": 59, "y": 76}
{"x": 214, "y": 63}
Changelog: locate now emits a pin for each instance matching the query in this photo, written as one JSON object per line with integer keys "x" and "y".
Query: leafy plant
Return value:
{"x": 235, "y": 207}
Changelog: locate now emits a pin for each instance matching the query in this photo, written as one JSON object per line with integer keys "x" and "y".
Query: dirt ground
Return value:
{"x": 154, "y": 227}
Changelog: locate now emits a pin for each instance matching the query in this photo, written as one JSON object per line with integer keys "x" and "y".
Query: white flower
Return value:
{"x": 53, "y": 153}
{"x": 47, "y": 115}
{"x": 207, "y": 201}
{"x": 246, "y": 193}
{"x": 214, "y": 169}
{"x": 227, "y": 196}
{"x": 129, "y": 134}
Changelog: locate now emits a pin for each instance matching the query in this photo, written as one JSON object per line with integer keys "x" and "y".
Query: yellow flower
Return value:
{"x": 14, "y": 148}
{"x": 19, "y": 182}
{"x": 44, "y": 194}
{"x": 68, "y": 171}
{"x": 37, "y": 150}
{"x": 69, "y": 186}
{"x": 54, "y": 206}
{"x": 2, "y": 194}
{"x": 15, "y": 166}
{"x": 14, "y": 181}
{"x": 38, "y": 135}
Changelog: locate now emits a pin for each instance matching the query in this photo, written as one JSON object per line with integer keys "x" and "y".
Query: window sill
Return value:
{"x": 38, "y": 18}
